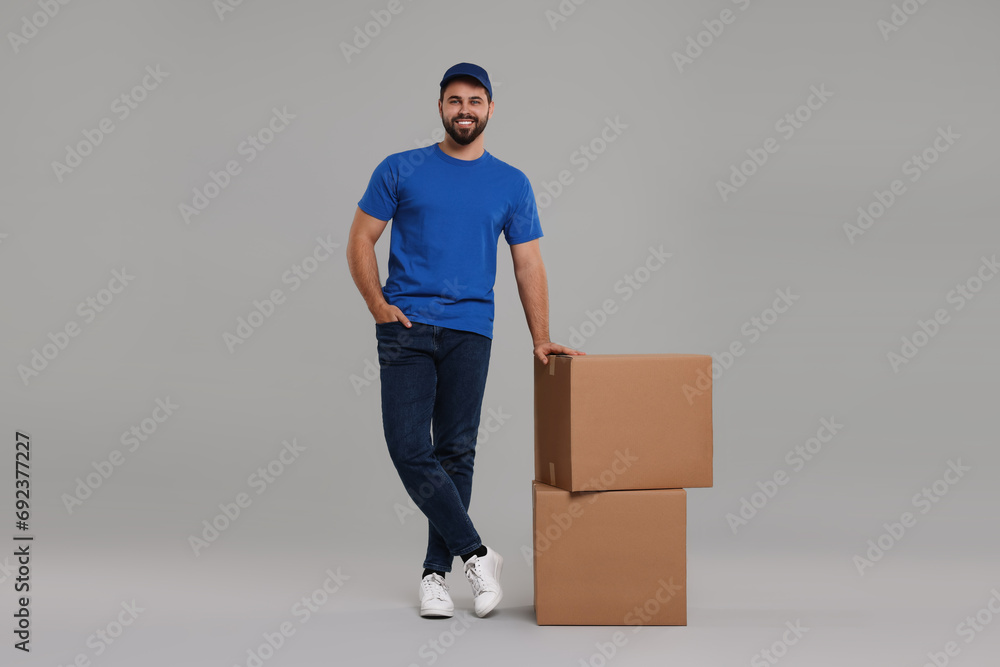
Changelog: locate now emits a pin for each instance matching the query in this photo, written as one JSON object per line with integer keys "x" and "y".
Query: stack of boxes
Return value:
{"x": 618, "y": 439}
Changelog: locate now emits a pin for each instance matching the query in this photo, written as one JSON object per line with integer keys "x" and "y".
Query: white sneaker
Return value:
{"x": 435, "y": 601}
{"x": 483, "y": 572}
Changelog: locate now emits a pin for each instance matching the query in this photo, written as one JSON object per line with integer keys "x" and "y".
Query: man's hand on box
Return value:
{"x": 544, "y": 349}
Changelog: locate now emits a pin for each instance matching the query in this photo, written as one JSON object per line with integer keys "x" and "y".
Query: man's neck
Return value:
{"x": 472, "y": 151}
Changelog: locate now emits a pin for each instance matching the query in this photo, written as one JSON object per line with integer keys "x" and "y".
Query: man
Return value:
{"x": 449, "y": 203}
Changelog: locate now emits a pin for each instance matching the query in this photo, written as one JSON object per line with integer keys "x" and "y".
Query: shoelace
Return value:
{"x": 474, "y": 572}
{"x": 435, "y": 587}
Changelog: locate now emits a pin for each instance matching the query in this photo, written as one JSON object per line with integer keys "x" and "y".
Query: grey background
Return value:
{"x": 338, "y": 505}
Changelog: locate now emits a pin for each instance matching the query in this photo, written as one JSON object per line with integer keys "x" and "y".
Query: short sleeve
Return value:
{"x": 523, "y": 224}
{"x": 379, "y": 199}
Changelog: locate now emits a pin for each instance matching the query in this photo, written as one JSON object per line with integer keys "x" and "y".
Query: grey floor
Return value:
{"x": 738, "y": 606}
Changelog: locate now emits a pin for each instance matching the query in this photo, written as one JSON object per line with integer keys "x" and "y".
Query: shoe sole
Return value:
{"x": 499, "y": 594}
{"x": 436, "y": 613}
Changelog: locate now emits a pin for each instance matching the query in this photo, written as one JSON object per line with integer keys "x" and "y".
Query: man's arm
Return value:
{"x": 365, "y": 233}
{"x": 533, "y": 288}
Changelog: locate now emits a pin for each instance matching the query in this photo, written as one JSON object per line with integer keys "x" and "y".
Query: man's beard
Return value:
{"x": 464, "y": 137}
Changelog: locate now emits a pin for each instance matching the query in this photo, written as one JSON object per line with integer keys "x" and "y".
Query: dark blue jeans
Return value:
{"x": 434, "y": 375}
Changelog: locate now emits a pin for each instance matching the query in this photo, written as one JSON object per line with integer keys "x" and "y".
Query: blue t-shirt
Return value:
{"x": 447, "y": 215}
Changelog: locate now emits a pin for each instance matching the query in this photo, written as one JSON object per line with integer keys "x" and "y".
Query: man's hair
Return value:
{"x": 467, "y": 79}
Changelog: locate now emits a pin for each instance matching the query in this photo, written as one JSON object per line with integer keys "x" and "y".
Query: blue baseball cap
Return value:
{"x": 468, "y": 69}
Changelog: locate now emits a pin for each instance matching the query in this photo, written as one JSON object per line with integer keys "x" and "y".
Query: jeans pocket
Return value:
{"x": 383, "y": 329}
{"x": 388, "y": 332}
{"x": 389, "y": 341}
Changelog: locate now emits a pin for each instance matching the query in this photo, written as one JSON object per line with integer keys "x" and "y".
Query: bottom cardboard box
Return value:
{"x": 609, "y": 557}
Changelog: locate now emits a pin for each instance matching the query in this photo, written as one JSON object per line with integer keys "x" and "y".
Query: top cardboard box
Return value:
{"x": 624, "y": 421}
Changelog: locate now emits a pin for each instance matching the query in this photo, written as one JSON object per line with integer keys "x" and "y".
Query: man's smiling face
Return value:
{"x": 464, "y": 110}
